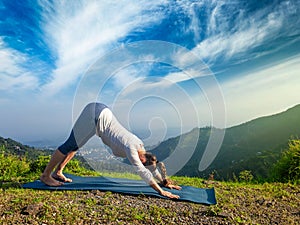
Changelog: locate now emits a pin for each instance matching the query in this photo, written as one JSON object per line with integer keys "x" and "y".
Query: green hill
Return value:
{"x": 254, "y": 146}
{"x": 16, "y": 148}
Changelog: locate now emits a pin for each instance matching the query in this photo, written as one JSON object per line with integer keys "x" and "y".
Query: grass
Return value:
{"x": 268, "y": 203}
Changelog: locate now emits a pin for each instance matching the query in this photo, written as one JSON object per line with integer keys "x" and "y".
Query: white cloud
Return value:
{"x": 192, "y": 73}
{"x": 145, "y": 100}
{"x": 272, "y": 89}
{"x": 134, "y": 80}
{"x": 261, "y": 93}
{"x": 12, "y": 74}
{"x": 227, "y": 37}
{"x": 133, "y": 72}
{"x": 177, "y": 77}
{"x": 81, "y": 31}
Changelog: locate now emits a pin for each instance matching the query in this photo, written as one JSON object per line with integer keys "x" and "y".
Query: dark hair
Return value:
{"x": 150, "y": 159}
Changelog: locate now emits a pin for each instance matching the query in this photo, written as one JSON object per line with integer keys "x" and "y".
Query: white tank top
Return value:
{"x": 122, "y": 142}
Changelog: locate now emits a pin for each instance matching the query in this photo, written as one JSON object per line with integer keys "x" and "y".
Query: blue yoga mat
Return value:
{"x": 128, "y": 186}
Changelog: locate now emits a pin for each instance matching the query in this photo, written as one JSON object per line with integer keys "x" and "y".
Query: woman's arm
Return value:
{"x": 162, "y": 177}
{"x": 147, "y": 175}
{"x": 156, "y": 187}
{"x": 165, "y": 182}
{"x": 157, "y": 175}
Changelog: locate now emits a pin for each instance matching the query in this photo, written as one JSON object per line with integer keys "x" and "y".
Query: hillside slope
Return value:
{"x": 13, "y": 147}
{"x": 16, "y": 148}
{"x": 254, "y": 146}
{"x": 257, "y": 144}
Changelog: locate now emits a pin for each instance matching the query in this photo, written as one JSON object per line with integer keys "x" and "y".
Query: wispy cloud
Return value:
{"x": 246, "y": 97}
{"x": 12, "y": 74}
{"x": 182, "y": 65}
{"x": 233, "y": 33}
{"x": 79, "y": 33}
{"x": 126, "y": 76}
{"x": 148, "y": 98}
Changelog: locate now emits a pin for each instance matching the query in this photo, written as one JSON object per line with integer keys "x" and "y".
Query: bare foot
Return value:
{"x": 50, "y": 181}
{"x": 61, "y": 177}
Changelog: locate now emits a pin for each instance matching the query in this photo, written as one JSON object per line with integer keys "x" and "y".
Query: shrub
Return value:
{"x": 12, "y": 168}
{"x": 288, "y": 167}
{"x": 38, "y": 165}
{"x": 245, "y": 176}
{"x": 74, "y": 166}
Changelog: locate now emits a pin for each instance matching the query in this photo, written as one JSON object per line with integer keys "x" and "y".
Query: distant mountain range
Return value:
{"x": 254, "y": 146}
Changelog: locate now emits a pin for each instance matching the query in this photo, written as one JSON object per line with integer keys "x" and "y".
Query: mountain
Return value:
{"x": 12, "y": 147}
{"x": 16, "y": 148}
{"x": 254, "y": 146}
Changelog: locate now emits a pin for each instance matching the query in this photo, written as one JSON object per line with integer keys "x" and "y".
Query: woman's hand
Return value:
{"x": 169, "y": 184}
{"x": 172, "y": 186}
{"x": 156, "y": 187}
{"x": 169, "y": 194}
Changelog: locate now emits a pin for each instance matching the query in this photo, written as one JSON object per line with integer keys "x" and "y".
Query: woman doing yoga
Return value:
{"x": 96, "y": 118}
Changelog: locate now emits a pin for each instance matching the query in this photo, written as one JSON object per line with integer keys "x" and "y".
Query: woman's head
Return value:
{"x": 150, "y": 161}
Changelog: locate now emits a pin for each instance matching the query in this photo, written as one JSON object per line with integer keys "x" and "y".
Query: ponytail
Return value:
{"x": 163, "y": 172}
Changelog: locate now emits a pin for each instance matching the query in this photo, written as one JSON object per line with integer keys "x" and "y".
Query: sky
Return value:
{"x": 164, "y": 67}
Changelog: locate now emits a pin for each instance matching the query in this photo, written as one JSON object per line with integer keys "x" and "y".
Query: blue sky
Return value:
{"x": 48, "y": 48}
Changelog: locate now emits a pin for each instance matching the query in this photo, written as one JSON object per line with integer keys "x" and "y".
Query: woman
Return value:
{"x": 96, "y": 118}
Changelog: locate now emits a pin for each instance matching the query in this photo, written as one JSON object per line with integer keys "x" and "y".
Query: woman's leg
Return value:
{"x": 46, "y": 178}
{"x": 83, "y": 129}
{"x": 58, "y": 173}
